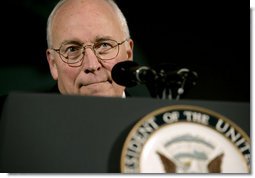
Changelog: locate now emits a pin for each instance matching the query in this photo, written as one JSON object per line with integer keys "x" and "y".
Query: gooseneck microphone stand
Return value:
{"x": 169, "y": 85}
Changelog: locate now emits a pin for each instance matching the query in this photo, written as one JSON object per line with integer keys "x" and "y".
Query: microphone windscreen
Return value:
{"x": 122, "y": 75}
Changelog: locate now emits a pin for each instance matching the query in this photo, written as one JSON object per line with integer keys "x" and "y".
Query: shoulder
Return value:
{"x": 53, "y": 89}
{"x": 2, "y": 100}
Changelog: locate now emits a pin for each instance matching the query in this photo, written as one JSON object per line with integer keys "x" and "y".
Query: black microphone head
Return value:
{"x": 121, "y": 73}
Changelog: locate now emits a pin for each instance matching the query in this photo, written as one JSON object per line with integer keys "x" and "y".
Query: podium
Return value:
{"x": 52, "y": 133}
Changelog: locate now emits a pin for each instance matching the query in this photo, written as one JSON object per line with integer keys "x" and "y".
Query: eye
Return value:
{"x": 103, "y": 46}
{"x": 71, "y": 49}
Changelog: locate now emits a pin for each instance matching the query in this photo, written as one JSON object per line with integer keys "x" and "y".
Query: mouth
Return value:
{"x": 94, "y": 83}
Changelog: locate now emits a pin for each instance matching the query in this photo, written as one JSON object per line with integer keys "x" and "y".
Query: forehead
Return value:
{"x": 85, "y": 20}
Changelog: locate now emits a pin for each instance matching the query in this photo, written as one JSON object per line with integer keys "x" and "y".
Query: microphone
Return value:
{"x": 178, "y": 76}
{"x": 162, "y": 82}
{"x": 129, "y": 74}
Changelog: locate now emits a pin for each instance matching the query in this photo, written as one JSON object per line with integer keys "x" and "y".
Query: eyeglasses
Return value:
{"x": 73, "y": 53}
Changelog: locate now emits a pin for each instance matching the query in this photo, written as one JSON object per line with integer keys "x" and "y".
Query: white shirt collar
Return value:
{"x": 123, "y": 95}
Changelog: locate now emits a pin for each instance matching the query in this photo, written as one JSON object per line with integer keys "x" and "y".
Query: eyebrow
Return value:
{"x": 102, "y": 38}
{"x": 79, "y": 42}
{"x": 76, "y": 42}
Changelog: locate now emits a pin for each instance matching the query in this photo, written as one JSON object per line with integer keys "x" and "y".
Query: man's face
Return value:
{"x": 87, "y": 22}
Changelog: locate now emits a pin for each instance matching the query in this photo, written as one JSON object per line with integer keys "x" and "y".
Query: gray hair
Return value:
{"x": 115, "y": 7}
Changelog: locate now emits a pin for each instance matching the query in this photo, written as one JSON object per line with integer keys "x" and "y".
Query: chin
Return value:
{"x": 100, "y": 93}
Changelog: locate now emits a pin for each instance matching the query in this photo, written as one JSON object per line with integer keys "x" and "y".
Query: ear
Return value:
{"x": 52, "y": 64}
{"x": 130, "y": 49}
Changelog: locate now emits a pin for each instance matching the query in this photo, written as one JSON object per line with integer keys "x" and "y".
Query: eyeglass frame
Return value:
{"x": 91, "y": 46}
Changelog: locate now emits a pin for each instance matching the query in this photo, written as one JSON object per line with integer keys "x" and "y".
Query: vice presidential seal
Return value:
{"x": 186, "y": 139}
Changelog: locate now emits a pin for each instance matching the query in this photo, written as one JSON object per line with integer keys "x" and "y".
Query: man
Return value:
{"x": 86, "y": 38}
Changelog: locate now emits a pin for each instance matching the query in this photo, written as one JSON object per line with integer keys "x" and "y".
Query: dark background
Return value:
{"x": 211, "y": 38}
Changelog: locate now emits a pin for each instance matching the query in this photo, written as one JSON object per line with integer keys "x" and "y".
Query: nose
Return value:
{"x": 90, "y": 62}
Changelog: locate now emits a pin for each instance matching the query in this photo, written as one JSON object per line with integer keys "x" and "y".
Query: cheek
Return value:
{"x": 68, "y": 74}
{"x": 110, "y": 64}
{"x": 122, "y": 56}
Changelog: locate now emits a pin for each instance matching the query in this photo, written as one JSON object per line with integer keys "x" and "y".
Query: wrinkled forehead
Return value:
{"x": 86, "y": 19}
